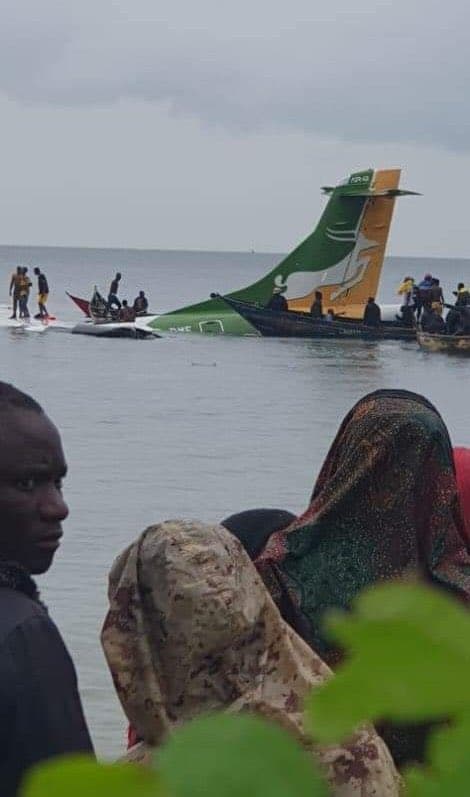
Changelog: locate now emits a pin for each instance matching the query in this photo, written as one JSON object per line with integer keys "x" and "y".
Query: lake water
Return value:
{"x": 193, "y": 426}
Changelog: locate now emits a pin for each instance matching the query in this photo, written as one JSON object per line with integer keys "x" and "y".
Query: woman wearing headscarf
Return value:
{"x": 385, "y": 506}
{"x": 191, "y": 629}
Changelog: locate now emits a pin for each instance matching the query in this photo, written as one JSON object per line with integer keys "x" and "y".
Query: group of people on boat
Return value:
{"x": 20, "y": 287}
{"x": 372, "y": 314}
{"x": 113, "y": 308}
{"x": 423, "y": 305}
{"x": 229, "y": 617}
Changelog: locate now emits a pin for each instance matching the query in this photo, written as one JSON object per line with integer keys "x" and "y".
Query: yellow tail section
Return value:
{"x": 347, "y": 286}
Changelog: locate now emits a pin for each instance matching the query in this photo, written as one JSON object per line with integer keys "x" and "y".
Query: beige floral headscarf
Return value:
{"x": 192, "y": 629}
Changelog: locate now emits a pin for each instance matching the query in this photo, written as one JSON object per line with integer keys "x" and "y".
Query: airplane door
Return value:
{"x": 211, "y": 327}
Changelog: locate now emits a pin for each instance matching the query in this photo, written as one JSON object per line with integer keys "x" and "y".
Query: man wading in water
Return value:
{"x": 40, "y": 709}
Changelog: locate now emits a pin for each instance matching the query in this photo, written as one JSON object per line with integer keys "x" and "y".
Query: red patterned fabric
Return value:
{"x": 462, "y": 469}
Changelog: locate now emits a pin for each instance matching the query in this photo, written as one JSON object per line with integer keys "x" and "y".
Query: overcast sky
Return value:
{"x": 212, "y": 125}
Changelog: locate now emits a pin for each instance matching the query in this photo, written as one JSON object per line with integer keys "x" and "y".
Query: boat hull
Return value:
{"x": 454, "y": 344}
{"x": 275, "y": 323}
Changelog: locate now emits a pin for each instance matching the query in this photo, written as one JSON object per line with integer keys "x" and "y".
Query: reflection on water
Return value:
{"x": 194, "y": 427}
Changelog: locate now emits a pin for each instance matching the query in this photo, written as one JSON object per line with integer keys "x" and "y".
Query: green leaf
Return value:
{"x": 448, "y": 772}
{"x": 237, "y": 756}
{"x": 409, "y": 661}
{"x": 78, "y": 776}
{"x": 423, "y": 783}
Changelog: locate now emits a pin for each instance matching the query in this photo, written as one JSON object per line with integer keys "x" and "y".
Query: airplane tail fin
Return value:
{"x": 343, "y": 256}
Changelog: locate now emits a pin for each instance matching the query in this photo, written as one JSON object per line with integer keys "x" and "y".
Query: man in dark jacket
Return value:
{"x": 278, "y": 301}
{"x": 316, "y": 309}
{"x": 40, "y": 708}
{"x": 372, "y": 314}
{"x": 113, "y": 301}
{"x": 43, "y": 293}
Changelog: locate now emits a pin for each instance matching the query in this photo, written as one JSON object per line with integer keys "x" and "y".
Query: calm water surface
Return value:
{"x": 189, "y": 426}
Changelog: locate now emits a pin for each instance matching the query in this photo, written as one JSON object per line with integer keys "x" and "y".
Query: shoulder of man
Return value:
{"x": 29, "y": 640}
{"x": 15, "y": 609}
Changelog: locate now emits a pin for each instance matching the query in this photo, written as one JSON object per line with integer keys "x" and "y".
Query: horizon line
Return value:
{"x": 204, "y": 251}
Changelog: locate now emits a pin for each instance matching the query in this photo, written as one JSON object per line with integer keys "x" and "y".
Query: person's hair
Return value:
{"x": 428, "y": 276}
{"x": 118, "y": 276}
{"x": 37, "y": 270}
{"x": 435, "y": 281}
{"x": 318, "y": 295}
{"x": 11, "y": 397}
{"x": 124, "y": 302}
{"x": 371, "y": 299}
{"x": 330, "y": 310}
{"x": 19, "y": 269}
{"x": 460, "y": 285}
{"x": 141, "y": 293}
{"x": 24, "y": 269}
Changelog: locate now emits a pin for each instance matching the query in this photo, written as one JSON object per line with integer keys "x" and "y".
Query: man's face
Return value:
{"x": 32, "y": 466}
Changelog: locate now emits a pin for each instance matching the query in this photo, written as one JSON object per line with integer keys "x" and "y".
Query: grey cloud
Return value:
{"x": 368, "y": 71}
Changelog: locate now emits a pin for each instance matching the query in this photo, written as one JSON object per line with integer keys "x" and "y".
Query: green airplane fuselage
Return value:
{"x": 213, "y": 317}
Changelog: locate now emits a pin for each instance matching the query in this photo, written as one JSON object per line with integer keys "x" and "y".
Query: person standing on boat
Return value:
{"x": 316, "y": 310}
{"x": 40, "y": 709}
{"x": 25, "y": 285}
{"x": 406, "y": 291}
{"x": 43, "y": 293}
{"x": 15, "y": 285}
{"x": 113, "y": 301}
{"x": 435, "y": 292}
{"x": 372, "y": 315}
{"x": 422, "y": 295}
{"x": 141, "y": 304}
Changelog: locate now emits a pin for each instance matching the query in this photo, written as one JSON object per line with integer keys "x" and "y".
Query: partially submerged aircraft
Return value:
{"x": 342, "y": 257}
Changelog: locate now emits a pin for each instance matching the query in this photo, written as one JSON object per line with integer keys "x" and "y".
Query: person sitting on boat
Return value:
{"x": 372, "y": 315}
{"x": 452, "y": 322}
{"x": 277, "y": 300}
{"x": 126, "y": 313}
{"x": 330, "y": 315}
{"x": 316, "y": 310}
{"x": 406, "y": 291}
{"x": 141, "y": 304}
{"x": 462, "y": 295}
{"x": 98, "y": 306}
{"x": 431, "y": 319}
{"x": 407, "y": 316}
{"x": 463, "y": 327}
{"x": 113, "y": 301}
